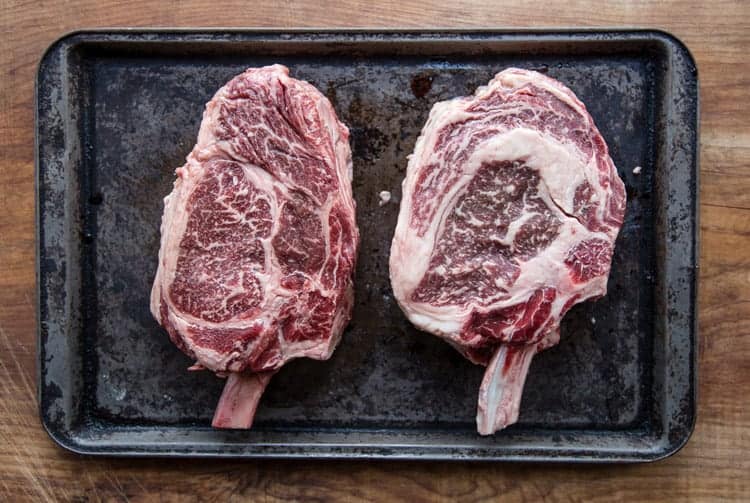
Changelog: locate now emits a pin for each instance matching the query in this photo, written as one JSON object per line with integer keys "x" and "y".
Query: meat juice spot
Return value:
{"x": 96, "y": 198}
{"x": 421, "y": 84}
{"x": 331, "y": 92}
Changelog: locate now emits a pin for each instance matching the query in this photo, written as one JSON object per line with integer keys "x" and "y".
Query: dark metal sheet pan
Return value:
{"x": 117, "y": 111}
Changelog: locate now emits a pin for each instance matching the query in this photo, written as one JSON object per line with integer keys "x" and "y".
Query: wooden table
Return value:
{"x": 715, "y": 463}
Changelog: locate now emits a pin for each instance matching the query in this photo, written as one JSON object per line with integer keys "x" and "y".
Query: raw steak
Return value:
{"x": 258, "y": 237}
{"x": 509, "y": 214}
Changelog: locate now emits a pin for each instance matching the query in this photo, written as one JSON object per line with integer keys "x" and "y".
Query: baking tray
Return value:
{"x": 117, "y": 111}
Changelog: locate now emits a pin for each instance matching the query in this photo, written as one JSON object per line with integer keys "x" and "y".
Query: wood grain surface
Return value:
{"x": 714, "y": 465}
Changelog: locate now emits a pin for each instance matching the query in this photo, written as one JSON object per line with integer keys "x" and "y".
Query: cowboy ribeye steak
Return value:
{"x": 509, "y": 214}
{"x": 258, "y": 237}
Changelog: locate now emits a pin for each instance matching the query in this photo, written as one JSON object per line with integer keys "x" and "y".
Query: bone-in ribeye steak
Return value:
{"x": 509, "y": 214}
{"x": 259, "y": 238}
